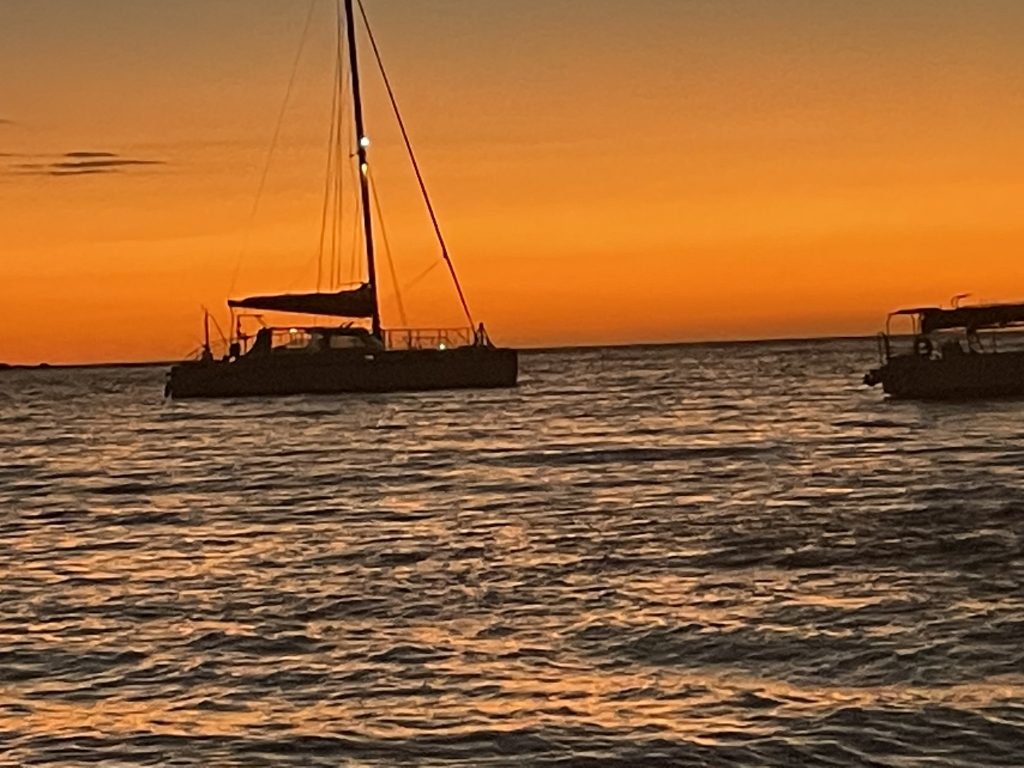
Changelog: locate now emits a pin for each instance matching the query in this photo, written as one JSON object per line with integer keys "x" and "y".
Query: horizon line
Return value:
{"x": 529, "y": 350}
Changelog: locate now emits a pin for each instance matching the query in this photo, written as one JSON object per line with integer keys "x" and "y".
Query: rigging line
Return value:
{"x": 387, "y": 252}
{"x": 357, "y": 241}
{"x": 220, "y": 332}
{"x": 343, "y": 159}
{"x": 336, "y": 239}
{"x": 301, "y": 275}
{"x": 331, "y": 160}
{"x": 273, "y": 142}
{"x": 357, "y": 229}
{"x": 343, "y": 86}
{"x": 421, "y": 275}
{"x": 337, "y": 212}
{"x": 415, "y": 165}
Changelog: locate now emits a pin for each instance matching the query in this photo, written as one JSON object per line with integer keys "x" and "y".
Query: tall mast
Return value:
{"x": 362, "y": 142}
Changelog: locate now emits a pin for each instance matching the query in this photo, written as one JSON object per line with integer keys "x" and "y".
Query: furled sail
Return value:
{"x": 358, "y": 302}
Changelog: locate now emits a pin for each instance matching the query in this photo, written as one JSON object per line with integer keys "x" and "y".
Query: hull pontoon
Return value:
{"x": 339, "y": 371}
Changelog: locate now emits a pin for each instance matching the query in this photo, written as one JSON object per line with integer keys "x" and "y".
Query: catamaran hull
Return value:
{"x": 349, "y": 371}
{"x": 963, "y": 377}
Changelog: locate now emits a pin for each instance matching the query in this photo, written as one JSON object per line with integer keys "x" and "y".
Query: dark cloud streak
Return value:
{"x": 100, "y": 165}
{"x": 82, "y": 163}
{"x": 80, "y": 172}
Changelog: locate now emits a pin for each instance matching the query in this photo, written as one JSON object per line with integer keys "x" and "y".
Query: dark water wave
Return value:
{"x": 709, "y": 556}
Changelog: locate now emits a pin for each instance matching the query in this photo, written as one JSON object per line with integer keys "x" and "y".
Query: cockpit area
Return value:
{"x": 304, "y": 341}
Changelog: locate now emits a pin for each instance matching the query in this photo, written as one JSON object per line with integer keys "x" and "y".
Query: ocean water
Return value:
{"x": 729, "y": 555}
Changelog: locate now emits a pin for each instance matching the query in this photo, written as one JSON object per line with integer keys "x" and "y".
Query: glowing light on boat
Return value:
{"x": 364, "y": 142}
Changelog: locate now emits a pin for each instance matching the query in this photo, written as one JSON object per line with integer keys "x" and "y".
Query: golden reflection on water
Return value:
{"x": 678, "y": 561}
{"x": 697, "y": 707}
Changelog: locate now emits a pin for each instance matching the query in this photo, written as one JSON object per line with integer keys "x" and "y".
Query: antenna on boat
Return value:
{"x": 207, "y": 351}
{"x": 362, "y": 143}
{"x": 955, "y": 301}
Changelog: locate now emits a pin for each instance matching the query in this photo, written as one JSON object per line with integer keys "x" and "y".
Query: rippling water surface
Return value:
{"x": 707, "y": 555}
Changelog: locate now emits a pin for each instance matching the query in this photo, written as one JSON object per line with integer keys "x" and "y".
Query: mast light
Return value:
{"x": 364, "y": 142}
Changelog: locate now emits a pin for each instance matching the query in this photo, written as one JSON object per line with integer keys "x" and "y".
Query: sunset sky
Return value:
{"x": 605, "y": 172}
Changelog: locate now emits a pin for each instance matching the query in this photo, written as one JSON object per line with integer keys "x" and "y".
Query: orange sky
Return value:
{"x": 604, "y": 171}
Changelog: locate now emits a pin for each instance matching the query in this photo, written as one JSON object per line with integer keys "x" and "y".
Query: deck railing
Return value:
{"x": 428, "y": 338}
{"x": 395, "y": 338}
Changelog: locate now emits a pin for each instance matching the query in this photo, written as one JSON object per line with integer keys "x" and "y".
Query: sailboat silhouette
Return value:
{"x": 327, "y": 358}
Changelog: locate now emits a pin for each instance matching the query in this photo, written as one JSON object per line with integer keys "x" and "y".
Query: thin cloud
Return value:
{"x": 84, "y": 163}
{"x": 100, "y": 165}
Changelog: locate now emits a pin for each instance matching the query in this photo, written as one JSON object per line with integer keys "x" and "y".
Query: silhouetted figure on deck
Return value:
{"x": 262, "y": 345}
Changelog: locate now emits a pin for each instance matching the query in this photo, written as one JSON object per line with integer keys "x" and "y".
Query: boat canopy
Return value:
{"x": 358, "y": 302}
{"x": 970, "y": 318}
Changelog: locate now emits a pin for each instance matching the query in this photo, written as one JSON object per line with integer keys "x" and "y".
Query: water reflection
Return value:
{"x": 723, "y": 555}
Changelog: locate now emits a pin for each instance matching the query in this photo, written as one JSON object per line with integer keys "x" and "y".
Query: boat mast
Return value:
{"x": 362, "y": 142}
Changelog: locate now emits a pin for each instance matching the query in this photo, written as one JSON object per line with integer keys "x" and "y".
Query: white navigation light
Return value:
{"x": 364, "y": 142}
{"x": 442, "y": 346}
{"x": 364, "y": 168}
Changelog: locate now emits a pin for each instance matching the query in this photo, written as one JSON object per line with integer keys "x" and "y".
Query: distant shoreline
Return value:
{"x": 73, "y": 366}
{"x": 527, "y": 350}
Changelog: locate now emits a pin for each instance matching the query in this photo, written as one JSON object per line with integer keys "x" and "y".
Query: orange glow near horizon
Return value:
{"x": 604, "y": 172}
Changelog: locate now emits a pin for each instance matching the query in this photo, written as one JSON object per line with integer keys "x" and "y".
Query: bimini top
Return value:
{"x": 359, "y": 302}
{"x": 970, "y": 318}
